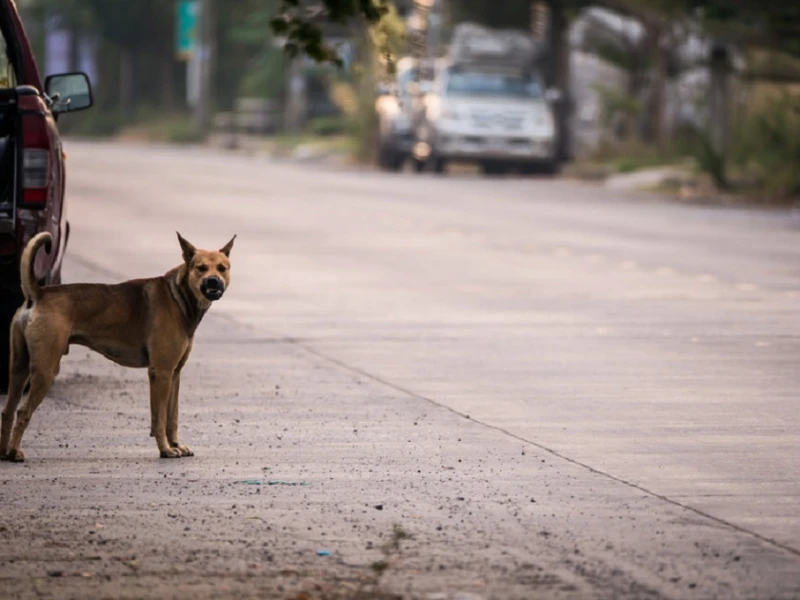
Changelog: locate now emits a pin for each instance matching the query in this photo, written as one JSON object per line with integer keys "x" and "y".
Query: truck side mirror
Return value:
{"x": 70, "y": 92}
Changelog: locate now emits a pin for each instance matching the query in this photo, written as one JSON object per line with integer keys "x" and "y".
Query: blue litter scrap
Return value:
{"x": 323, "y": 552}
{"x": 279, "y": 482}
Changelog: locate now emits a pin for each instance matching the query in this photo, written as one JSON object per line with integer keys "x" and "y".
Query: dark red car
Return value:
{"x": 31, "y": 164}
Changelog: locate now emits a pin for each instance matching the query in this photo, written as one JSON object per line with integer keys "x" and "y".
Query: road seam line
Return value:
{"x": 555, "y": 453}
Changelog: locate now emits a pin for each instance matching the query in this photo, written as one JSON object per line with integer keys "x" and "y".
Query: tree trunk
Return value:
{"x": 126, "y": 81}
{"x": 637, "y": 77}
{"x": 206, "y": 48}
{"x": 559, "y": 76}
{"x": 297, "y": 98}
{"x": 167, "y": 85}
{"x": 74, "y": 49}
{"x": 719, "y": 99}
{"x": 658, "y": 89}
{"x": 719, "y": 113}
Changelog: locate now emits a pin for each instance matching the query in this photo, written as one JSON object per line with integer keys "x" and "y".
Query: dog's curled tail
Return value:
{"x": 30, "y": 286}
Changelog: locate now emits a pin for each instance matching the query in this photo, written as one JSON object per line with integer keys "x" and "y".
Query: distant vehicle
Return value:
{"x": 486, "y": 104}
{"x": 31, "y": 164}
{"x": 394, "y": 107}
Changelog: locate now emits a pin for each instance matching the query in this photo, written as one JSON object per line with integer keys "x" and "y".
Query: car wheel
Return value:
{"x": 397, "y": 162}
{"x": 494, "y": 168}
{"x": 550, "y": 167}
{"x": 382, "y": 156}
{"x": 437, "y": 165}
{"x": 388, "y": 160}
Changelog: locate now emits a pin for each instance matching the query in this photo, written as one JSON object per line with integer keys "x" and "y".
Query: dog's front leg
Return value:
{"x": 160, "y": 392}
{"x": 172, "y": 417}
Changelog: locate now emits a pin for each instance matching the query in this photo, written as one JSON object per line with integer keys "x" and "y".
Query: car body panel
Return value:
{"x": 51, "y": 216}
{"x": 479, "y": 127}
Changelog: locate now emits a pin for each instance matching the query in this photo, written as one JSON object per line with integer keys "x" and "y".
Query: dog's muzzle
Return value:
{"x": 212, "y": 288}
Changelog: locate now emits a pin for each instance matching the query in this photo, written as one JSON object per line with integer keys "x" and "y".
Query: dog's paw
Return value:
{"x": 171, "y": 453}
{"x": 185, "y": 450}
{"x": 13, "y": 456}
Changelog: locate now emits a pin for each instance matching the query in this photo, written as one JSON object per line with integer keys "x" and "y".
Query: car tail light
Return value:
{"x": 35, "y": 159}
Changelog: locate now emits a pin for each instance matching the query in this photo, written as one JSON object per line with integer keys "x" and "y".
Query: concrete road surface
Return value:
{"x": 556, "y": 391}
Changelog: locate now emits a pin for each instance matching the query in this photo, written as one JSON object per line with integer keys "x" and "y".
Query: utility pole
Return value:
{"x": 719, "y": 103}
{"x": 205, "y": 54}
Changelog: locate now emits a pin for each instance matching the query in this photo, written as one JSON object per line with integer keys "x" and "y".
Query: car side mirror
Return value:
{"x": 553, "y": 95}
{"x": 69, "y": 92}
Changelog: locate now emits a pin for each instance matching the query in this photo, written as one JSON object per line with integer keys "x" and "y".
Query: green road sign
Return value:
{"x": 186, "y": 38}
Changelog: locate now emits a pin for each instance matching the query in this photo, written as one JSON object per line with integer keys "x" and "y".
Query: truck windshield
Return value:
{"x": 404, "y": 78}
{"x": 475, "y": 83}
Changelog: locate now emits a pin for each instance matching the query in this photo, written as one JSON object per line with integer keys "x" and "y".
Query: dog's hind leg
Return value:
{"x": 46, "y": 343}
{"x": 19, "y": 373}
{"x": 41, "y": 380}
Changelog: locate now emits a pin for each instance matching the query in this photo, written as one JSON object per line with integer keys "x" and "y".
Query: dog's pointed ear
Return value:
{"x": 187, "y": 249}
{"x": 226, "y": 249}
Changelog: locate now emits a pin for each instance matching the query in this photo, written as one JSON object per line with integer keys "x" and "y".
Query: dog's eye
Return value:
{"x": 202, "y": 268}
{"x": 222, "y": 268}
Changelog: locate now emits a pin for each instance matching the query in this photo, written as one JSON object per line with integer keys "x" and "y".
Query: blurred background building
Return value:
{"x": 641, "y": 80}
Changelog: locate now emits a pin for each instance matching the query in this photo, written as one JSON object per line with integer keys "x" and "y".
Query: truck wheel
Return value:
{"x": 10, "y": 301}
{"x": 397, "y": 162}
{"x": 389, "y": 160}
{"x": 437, "y": 165}
{"x": 494, "y": 168}
{"x": 551, "y": 167}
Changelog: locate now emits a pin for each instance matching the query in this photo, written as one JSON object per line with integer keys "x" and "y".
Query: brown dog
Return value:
{"x": 139, "y": 323}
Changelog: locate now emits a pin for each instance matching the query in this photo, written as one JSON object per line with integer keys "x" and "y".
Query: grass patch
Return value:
{"x": 631, "y": 156}
{"x": 329, "y": 126}
{"x": 288, "y": 145}
{"x": 93, "y": 123}
{"x": 766, "y": 144}
{"x": 172, "y": 129}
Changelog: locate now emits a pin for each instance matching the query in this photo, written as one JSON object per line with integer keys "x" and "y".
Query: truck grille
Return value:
{"x": 486, "y": 120}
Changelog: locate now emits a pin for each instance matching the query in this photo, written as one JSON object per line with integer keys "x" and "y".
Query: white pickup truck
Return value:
{"x": 486, "y": 104}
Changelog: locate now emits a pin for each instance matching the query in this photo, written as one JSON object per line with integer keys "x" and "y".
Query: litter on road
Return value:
{"x": 273, "y": 482}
